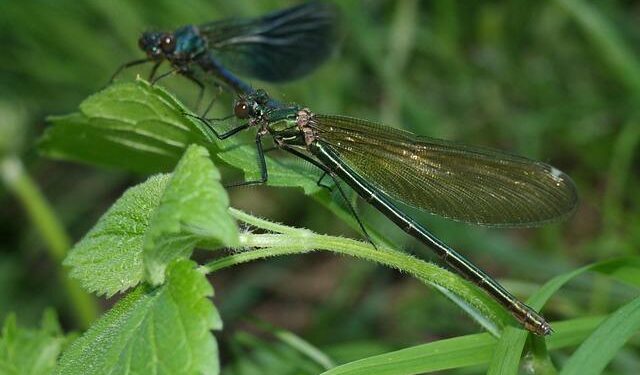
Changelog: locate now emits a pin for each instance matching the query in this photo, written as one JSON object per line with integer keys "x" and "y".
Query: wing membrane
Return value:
{"x": 464, "y": 183}
{"x": 280, "y": 46}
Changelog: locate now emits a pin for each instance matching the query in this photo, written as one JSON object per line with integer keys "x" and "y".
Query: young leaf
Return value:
{"x": 109, "y": 258}
{"x": 30, "y": 351}
{"x": 164, "y": 217}
{"x": 152, "y": 331}
{"x": 193, "y": 208}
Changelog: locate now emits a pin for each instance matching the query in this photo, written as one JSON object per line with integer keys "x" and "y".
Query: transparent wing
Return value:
{"x": 279, "y": 46}
{"x": 464, "y": 183}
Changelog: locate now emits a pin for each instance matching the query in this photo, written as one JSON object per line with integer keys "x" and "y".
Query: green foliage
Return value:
{"x": 31, "y": 351}
{"x": 185, "y": 211}
{"x": 164, "y": 330}
{"x": 193, "y": 209}
{"x": 598, "y": 350}
{"x": 109, "y": 259}
{"x": 130, "y": 125}
{"x": 143, "y": 128}
{"x": 152, "y": 224}
{"x": 506, "y": 358}
{"x": 458, "y": 352}
{"x": 286, "y": 240}
{"x": 556, "y": 81}
{"x": 126, "y": 271}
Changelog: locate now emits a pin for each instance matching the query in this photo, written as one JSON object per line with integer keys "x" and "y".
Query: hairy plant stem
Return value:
{"x": 288, "y": 240}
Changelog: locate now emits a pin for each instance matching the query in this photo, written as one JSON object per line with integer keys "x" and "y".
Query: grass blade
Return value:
{"x": 603, "y": 344}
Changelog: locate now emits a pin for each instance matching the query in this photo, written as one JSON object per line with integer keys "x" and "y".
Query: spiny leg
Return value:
{"x": 164, "y": 75}
{"x": 213, "y": 100}
{"x": 154, "y": 70}
{"x": 262, "y": 164}
{"x": 319, "y": 183}
{"x": 188, "y": 74}
{"x": 207, "y": 123}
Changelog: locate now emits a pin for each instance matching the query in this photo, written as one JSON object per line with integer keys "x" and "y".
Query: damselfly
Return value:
{"x": 383, "y": 165}
{"x": 280, "y": 46}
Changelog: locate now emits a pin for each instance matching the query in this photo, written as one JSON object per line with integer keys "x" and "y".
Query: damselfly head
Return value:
{"x": 251, "y": 105}
{"x": 157, "y": 44}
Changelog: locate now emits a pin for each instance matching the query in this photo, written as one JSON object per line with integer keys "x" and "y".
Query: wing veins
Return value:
{"x": 460, "y": 182}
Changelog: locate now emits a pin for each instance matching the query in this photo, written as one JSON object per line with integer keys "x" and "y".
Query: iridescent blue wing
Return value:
{"x": 279, "y": 46}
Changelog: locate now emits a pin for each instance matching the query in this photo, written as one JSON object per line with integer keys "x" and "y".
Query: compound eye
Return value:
{"x": 168, "y": 43}
{"x": 241, "y": 110}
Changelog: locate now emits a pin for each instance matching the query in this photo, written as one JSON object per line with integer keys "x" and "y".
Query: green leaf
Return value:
{"x": 152, "y": 331}
{"x": 458, "y": 352}
{"x": 109, "y": 258}
{"x": 142, "y": 128}
{"x": 131, "y": 125}
{"x": 623, "y": 269}
{"x": 153, "y": 223}
{"x": 193, "y": 208}
{"x": 603, "y": 344}
{"x": 30, "y": 351}
{"x": 440, "y": 355}
{"x": 506, "y": 358}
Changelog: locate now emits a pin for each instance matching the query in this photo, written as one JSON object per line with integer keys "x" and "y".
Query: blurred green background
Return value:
{"x": 557, "y": 81}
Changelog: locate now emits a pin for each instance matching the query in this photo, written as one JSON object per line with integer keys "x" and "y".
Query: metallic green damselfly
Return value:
{"x": 385, "y": 165}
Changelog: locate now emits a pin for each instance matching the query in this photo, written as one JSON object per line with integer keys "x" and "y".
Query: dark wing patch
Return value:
{"x": 280, "y": 46}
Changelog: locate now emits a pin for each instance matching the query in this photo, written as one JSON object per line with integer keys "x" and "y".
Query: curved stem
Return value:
{"x": 12, "y": 173}
{"x": 301, "y": 241}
